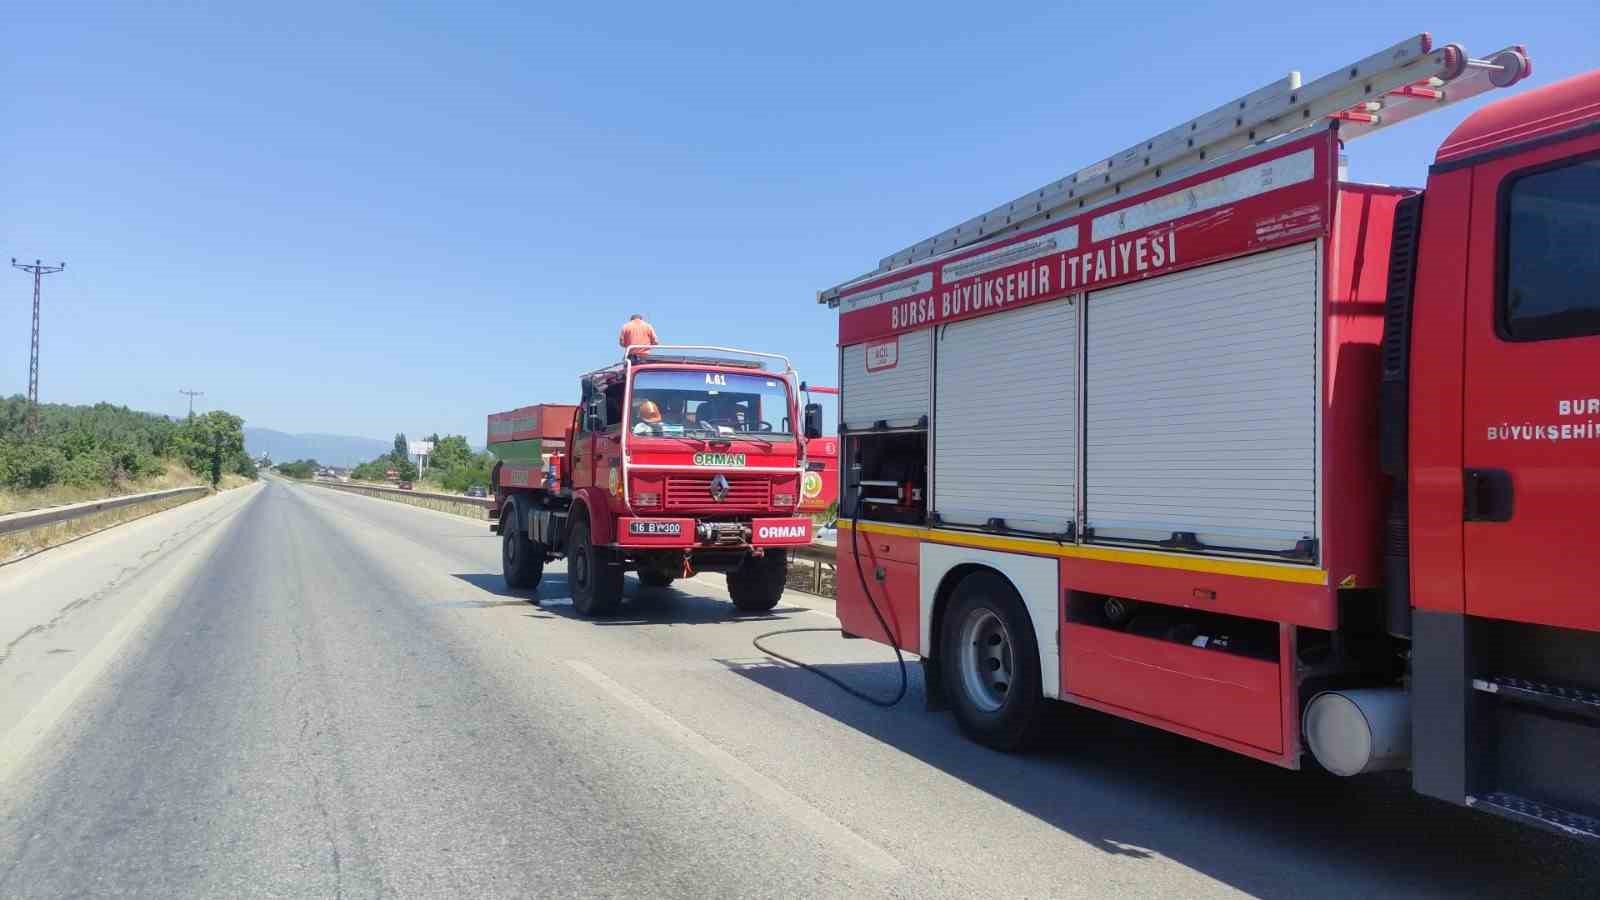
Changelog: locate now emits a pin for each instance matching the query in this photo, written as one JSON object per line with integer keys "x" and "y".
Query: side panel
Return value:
{"x": 886, "y": 380}
{"x": 1353, "y": 482}
{"x": 1036, "y": 580}
{"x": 1436, "y": 385}
{"x": 1211, "y": 692}
{"x": 889, "y": 568}
{"x": 1006, "y": 424}
{"x": 1202, "y": 404}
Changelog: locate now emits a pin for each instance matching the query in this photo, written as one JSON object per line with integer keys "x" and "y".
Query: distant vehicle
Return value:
{"x": 671, "y": 464}
{"x": 477, "y": 490}
{"x": 405, "y": 485}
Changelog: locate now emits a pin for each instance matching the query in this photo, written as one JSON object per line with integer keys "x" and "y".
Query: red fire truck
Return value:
{"x": 676, "y": 460}
{"x": 819, "y": 488}
{"x": 1209, "y": 436}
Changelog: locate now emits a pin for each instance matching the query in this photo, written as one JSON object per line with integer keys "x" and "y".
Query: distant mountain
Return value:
{"x": 330, "y": 449}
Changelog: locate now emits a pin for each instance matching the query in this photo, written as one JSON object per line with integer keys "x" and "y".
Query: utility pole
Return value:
{"x": 191, "y": 395}
{"x": 39, "y": 270}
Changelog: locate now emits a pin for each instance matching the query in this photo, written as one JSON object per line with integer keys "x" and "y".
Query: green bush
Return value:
{"x": 30, "y": 465}
{"x": 88, "y": 469}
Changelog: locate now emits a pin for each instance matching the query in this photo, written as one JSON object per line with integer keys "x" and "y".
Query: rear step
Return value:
{"x": 1572, "y": 701}
{"x": 1532, "y": 812}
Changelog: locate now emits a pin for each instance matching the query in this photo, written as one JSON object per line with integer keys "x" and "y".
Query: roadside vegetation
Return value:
{"x": 300, "y": 468}
{"x": 452, "y": 469}
{"x": 89, "y": 452}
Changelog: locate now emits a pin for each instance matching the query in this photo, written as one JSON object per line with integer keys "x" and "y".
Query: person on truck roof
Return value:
{"x": 636, "y": 332}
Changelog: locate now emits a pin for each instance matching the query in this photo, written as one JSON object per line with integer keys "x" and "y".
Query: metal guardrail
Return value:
{"x": 37, "y": 518}
{"x": 385, "y": 489}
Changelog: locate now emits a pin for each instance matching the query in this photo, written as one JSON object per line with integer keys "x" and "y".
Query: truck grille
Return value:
{"x": 694, "y": 492}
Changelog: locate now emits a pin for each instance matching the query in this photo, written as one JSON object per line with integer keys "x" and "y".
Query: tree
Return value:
{"x": 450, "y": 452}
{"x": 402, "y": 449}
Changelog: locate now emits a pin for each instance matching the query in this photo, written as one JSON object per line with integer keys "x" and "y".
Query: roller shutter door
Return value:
{"x": 1005, "y": 431}
{"x": 1202, "y": 404}
{"x": 895, "y": 389}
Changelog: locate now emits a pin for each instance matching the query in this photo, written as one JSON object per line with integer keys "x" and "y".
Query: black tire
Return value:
{"x": 521, "y": 560}
{"x": 989, "y": 663}
{"x": 757, "y": 586}
{"x": 655, "y": 578}
{"x": 594, "y": 573}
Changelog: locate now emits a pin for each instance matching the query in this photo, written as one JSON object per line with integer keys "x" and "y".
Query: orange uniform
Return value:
{"x": 637, "y": 332}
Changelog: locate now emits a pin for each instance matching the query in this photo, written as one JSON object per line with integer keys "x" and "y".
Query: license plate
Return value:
{"x": 670, "y": 529}
{"x": 729, "y": 460}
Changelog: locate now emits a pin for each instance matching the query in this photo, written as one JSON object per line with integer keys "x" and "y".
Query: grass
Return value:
{"x": 21, "y": 544}
{"x": 176, "y": 475}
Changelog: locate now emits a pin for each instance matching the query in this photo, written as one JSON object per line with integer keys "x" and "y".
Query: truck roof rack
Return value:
{"x": 680, "y": 353}
{"x": 1388, "y": 87}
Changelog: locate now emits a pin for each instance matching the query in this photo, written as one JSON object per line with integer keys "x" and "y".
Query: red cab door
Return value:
{"x": 1531, "y": 410}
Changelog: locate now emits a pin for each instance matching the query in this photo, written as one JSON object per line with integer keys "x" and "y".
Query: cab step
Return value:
{"x": 1541, "y": 815}
{"x": 1572, "y": 701}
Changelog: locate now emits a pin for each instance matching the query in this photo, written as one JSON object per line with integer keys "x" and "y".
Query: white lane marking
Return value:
{"x": 862, "y": 850}
{"x": 20, "y": 741}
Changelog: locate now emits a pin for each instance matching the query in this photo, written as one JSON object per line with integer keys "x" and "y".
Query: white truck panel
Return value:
{"x": 1037, "y": 580}
{"x": 1202, "y": 404}
{"x": 897, "y": 386}
{"x": 1006, "y": 424}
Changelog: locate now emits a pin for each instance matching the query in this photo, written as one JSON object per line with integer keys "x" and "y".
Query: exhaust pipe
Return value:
{"x": 1361, "y": 730}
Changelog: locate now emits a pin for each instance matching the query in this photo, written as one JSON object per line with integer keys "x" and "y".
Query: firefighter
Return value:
{"x": 646, "y": 417}
{"x": 636, "y": 332}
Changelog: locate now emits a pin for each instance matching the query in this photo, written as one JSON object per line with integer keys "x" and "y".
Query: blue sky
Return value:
{"x": 366, "y": 218}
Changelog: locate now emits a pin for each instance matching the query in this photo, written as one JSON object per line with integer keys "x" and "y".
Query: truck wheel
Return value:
{"x": 655, "y": 578}
{"x": 596, "y": 579}
{"x": 989, "y": 662}
{"x": 521, "y": 560}
{"x": 757, "y": 585}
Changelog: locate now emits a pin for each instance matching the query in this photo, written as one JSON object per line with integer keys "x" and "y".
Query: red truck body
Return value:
{"x": 1289, "y": 464}
{"x": 670, "y": 464}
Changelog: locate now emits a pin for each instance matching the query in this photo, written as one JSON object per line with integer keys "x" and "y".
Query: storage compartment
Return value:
{"x": 894, "y": 586}
{"x": 1221, "y": 694}
{"x": 1006, "y": 423}
{"x": 886, "y": 477}
{"x": 1202, "y": 413}
{"x": 887, "y": 382}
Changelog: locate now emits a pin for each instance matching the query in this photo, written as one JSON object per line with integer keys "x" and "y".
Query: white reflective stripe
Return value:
{"x": 1228, "y": 189}
{"x": 639, "y": 467}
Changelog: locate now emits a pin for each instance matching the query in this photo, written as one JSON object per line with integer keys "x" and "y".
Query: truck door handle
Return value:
{"x": 1488, "y": 495}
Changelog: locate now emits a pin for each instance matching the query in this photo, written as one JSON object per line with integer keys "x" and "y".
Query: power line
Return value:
{"x": 39, "y": 270}
{"x": 191, "y": 395}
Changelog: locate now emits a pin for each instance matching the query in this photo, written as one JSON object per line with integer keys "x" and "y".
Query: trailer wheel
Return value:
{"x": 656, "y": 578}
{"x": 989, "y": 663}
{"x": 521, "y": 560}
{"x": 595, "y": 576}
{"x": 757, "y": 585}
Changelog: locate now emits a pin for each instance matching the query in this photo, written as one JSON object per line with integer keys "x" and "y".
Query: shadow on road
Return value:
{"x": 1137, "y": 791}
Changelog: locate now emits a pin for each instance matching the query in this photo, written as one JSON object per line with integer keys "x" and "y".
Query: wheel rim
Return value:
{"x": 508, "y": 545}
{"x": 985, "y": 657}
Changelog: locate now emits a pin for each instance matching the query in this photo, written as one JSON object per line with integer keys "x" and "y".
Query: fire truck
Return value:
{"x": 676, "y": 460}
{"x": 819, "y": 488}
{"x": 1209, "y": 436}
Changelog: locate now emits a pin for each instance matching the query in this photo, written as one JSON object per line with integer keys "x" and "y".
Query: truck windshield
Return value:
{"x": 688, "y": 402}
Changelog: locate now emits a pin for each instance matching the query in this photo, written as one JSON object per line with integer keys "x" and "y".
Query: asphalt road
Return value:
{"x": 291, "y": 691}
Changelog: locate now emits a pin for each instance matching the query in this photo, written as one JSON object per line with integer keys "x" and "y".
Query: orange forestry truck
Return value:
{"x": 676, "y": 460}
{"x": 1209, "y": 436}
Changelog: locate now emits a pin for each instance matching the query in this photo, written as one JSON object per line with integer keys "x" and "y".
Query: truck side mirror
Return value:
{"x": 594, "y": 422}
{"x": 813, "y": 420}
